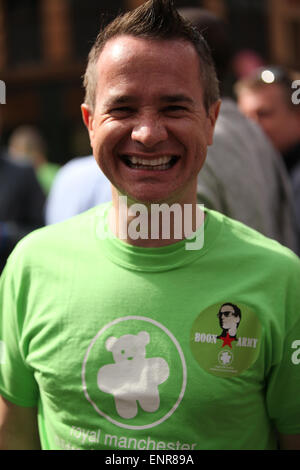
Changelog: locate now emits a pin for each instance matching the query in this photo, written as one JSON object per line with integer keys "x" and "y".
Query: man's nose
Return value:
{"x": 149, "y": 131}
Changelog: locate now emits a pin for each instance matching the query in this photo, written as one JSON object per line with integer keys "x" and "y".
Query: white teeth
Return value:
{"x": 157, "y": 162}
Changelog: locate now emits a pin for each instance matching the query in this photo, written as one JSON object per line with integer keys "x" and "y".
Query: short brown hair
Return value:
{"x": 155, "y": 19}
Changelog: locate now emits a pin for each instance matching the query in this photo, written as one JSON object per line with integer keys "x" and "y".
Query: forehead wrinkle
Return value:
{"x": 176, "y": 98}
{"x": 120, "y": 99}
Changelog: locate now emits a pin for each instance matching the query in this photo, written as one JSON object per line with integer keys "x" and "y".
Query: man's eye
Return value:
{"x": 175, "y": 108}
{"x": 121, "y": 110}
{"x": 264, "y": 114}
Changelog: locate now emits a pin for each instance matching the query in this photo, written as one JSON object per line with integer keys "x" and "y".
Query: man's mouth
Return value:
{"x": 155, "y": 164}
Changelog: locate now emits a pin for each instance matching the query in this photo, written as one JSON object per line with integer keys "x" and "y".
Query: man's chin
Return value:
{"x": 146, "y": 198}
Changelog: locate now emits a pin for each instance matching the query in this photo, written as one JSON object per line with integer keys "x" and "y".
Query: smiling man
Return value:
{"x": 113, "y": 343}
{"x": 149, "y": 121}
{"x": 148, "y": 127}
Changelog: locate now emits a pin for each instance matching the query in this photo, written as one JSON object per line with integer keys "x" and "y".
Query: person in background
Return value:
{"x": 243, "y": 176}
{"x": 27, "y": 145}
{"x": 296, "y": 187}
{"x": 21, "y": 204}
{"x": 78, "y": 186}
{"x": 266, "y": 98}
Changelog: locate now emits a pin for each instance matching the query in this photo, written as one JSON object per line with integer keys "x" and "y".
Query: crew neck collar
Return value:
{"x": 155, "y": 259}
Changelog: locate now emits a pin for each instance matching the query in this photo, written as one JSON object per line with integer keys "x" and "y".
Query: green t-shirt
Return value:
{"x": 163, "y": 348}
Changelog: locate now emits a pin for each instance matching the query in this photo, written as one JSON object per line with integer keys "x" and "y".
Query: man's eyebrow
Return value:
{"x": 123, "y": 99}
{"x": 177, "y": 98}
{"x": 120, "y": 99}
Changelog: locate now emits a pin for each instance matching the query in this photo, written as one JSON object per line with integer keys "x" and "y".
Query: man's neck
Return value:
{"x": 153, "y": 225}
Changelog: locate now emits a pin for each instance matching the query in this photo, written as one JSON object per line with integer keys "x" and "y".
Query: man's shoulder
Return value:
{"x": 74, "y": 232}
{"x": 252, "y": 243}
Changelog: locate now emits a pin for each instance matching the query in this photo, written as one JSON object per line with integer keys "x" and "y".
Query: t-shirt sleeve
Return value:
{"x": 283, "y": 391}
{"x": 17, "y": 383}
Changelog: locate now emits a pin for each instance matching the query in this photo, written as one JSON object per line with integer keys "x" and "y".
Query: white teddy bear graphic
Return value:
{"x": 132, "y": 378}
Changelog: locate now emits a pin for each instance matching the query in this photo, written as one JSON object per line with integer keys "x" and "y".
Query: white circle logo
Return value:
{"x": 134, "y": 371}
{"x": 225, "y": 357}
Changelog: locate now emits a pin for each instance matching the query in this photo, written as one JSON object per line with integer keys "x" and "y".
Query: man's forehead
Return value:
{"x": 130, "y": 68}
{"x": 122, "y": 47}
{"x": 267, "y": 94}
{"x": 227, "y": 308}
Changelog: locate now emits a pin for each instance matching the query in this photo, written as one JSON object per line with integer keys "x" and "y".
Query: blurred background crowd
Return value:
{"x": 43, "y": 51}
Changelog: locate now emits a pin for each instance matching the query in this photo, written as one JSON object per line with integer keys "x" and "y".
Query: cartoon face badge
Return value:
{"x": 229, "y": 319}
{"x": 232, "y": 350}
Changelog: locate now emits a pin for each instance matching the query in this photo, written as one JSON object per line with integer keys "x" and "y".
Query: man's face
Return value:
{"x": 149, "y": 130}
{"x": 267, "y": 105}
{"x": 228, "y": 319}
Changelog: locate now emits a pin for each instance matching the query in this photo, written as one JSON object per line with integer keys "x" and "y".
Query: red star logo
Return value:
{"x": 227, "y": 340}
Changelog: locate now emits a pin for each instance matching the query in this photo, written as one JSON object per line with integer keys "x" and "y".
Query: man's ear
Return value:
{"x": 88, "y": 120}
{"x": 212, "y": 117}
